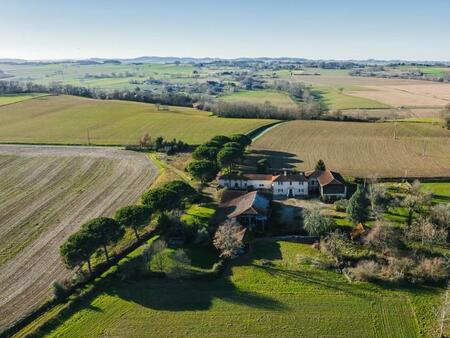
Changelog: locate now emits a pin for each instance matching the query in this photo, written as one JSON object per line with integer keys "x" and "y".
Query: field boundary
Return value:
{"x": 260, "y": 131}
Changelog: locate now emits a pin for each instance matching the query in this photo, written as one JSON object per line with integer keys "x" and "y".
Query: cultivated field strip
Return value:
{"x": 359, "y": 149}
{"x": 46, "y": 193}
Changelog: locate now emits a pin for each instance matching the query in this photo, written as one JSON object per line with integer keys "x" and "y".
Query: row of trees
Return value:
{"x": 221, "y": 152}
{"x": 101, "y": 232}
{"x": 305, "y": 111}
{"x": 166, "y": 98}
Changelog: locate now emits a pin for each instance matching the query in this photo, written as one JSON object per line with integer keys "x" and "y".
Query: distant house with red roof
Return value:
{"x": 326, "y": 183}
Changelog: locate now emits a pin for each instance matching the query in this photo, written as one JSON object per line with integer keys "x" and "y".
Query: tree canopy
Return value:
{"x": 103, "y": 231}
{"x": 203, "y": 170}
{"x": 358, "y": 206}
{"x": 134, "y": 216}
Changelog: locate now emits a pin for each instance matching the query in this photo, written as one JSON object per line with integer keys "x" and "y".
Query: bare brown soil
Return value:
{"x": 46, "y": 193}
{"x": 359, "y": 149}
{"x": 417, "y": 95}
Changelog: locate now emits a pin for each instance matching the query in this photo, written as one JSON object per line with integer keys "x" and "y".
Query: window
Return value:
{"x": 261, "y": 185}
{"x": 290, "y": 182}
{"x": 280, "y": 190}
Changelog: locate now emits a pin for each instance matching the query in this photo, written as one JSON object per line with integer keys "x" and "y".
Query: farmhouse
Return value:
{"x": 326, "y": 183}
{"x": 249, "y": 209}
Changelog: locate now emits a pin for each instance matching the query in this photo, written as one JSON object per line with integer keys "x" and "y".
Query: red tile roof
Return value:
{"x": 326, "y": 177}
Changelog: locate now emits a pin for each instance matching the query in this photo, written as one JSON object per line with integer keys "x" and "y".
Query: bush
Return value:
{"x": 399, "y": 269}
{"x": 432, "y": 269}
{"x": 341, "y": 205}
{"x": 382, "y": 237}
{"x": 366, "y": 271}
{"x": 59, "y": 291}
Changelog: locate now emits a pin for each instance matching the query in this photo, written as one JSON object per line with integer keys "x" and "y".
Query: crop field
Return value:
{"x": 359, "y": 149}
{"x": 283, "y": 298}
{"x": 275, "y": 98}
{"x": 14, "y": 98}
{"x": 75, "y": 120}
{"x": 47, "y": 193}
{"x": 342, "y": 91}
{"x": 421, "y": 95}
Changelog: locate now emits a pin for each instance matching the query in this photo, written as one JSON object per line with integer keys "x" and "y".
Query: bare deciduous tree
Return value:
{"x": 226, "y": 239}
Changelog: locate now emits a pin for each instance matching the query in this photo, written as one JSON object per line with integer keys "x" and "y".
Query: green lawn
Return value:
{"x": 69, "y": 119}
{"x": 14, "y": 98}
{"x": 282, "y": 298}
{"x": 276, "y": 98}
{"x": 440, "y": 190}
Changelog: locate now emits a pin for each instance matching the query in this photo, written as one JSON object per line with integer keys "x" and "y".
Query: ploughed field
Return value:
{"x": 359, "y": 149}
{"x": 271, "y": 293}
{"x": 76, "y": 120}
{"x": 46, "y": 193}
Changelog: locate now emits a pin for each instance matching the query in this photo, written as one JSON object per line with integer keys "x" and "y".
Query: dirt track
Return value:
{"x": 46, "y": 193}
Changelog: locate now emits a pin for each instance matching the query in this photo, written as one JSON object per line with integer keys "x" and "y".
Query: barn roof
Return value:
{"x": 326, "y": 177}
{"x": 253, "y": 203}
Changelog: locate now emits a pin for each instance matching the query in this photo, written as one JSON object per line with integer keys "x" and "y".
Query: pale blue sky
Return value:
{"x": 326, "y": 29}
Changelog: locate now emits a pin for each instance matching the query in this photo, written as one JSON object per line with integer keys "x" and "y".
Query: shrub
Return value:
{"x": 432, "y": 269}
{"x": 366, "y": 271}
{"x": 341, "y": 205}
{"x": 399, "y": 269}
{"x": 382, "y": 237}
{"x": 59, "y": 291}
{"x": 315, "y": 223}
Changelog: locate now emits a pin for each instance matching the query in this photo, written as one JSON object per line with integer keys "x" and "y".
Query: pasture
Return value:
{"x": 14, "y": 98}
{"x": 46, "y": 194}
{"x": 271, "y": 293}
{"x": 359, "y": 149}
{"x": 275, "y": 98}
{"x": 76, "y": 120}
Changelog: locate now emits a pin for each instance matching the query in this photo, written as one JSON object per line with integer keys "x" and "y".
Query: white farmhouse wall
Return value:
{"x": 260, "y": 184}
{"x": 282, "y": 189}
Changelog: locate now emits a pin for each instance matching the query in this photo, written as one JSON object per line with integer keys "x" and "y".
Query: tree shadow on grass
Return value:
{"x": 278, "y": 160}
{"x": 188, "y": 295}
{"x": 304, "y": 277}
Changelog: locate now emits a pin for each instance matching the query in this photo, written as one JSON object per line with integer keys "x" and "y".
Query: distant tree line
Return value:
{"x": 166, "y": 98}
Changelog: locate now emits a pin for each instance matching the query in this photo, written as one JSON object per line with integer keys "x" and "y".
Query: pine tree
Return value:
{"x": 358, "y": 206}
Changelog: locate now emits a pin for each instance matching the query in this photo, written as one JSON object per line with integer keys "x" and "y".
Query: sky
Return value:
{"x": 325, "y": 29}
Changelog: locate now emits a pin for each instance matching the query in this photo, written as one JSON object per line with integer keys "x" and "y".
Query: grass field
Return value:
{"x": 46, "y": 194}
{"x": 278, "y": 99}
{"x": 339, "y": 99}
{"x": 359, "y": 149}
{"x": 77, "y": 75}
{"x": 13, "y": 98}
{"x": 284, "y": 298}
{"x": 69, "y": 119}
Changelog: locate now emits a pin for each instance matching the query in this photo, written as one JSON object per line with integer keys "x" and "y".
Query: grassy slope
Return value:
{"x": 359, "y": 149}
{"x": 278, "y": 99}
{"x": 14, "y": 98}
{"x": 66, "y": 119}
{"x": 284, "y": 298}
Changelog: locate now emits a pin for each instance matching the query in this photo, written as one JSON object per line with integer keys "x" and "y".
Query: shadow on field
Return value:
{"x": 188, "y": 295}
{"x": 278, "y": 159}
